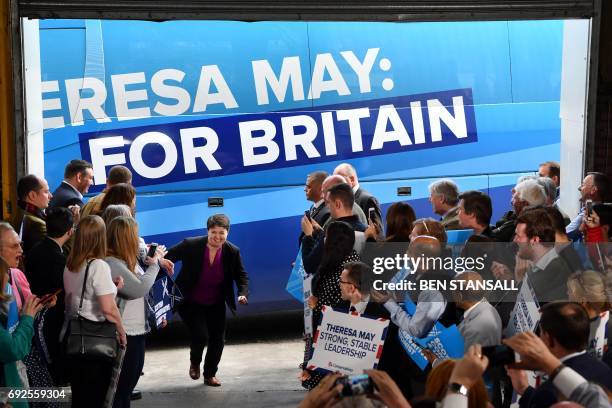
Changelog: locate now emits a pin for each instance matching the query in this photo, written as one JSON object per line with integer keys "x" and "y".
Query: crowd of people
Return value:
{"x": 71, "y": 260}
{"x": 567, "y": 263}
{"x": 71, "y": 268}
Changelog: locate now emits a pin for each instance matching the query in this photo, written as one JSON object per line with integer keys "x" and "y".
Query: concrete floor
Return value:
{"x": 258, "y": 368}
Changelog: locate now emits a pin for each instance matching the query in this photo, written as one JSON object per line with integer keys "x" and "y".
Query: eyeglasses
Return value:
{"x": 350, "y": 283}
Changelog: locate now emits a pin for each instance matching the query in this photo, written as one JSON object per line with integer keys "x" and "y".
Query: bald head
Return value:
{"x": 331, "y": 181}
{"x": 348, "y": 172}
{"x": 425, "y": 245}
{"x": 468, "y": 297}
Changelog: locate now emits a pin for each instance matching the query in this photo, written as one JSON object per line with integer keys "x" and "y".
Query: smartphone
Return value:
{"x": 358, "y": 384}
{"x": 589, "y": 207}
{"x": 371, "y": 213}
{"x": 47, "y": 298}
{"x": 307, "y": 214}
{"x": 152, "y": 249}
{"x": 499, "y": 355}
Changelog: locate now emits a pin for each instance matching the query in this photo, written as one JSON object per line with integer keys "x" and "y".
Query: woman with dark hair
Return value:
{"x": 400, "y": 220}
{"x": 121, "y": 193}
{"x": 337, "y": 251}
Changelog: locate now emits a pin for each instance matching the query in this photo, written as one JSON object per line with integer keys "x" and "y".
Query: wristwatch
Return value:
{"x": 457, "y": 388}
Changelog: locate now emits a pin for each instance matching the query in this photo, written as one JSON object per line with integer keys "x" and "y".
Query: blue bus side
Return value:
{"x": 511, "y": 69}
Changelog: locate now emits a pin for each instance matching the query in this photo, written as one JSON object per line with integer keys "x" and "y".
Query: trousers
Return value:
{"x": 205, "y": 322}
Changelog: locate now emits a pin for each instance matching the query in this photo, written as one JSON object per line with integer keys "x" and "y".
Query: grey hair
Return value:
{"x": 526, "y": 177}
{"x": 4, "y": 226}
{"x": 447, "y": 189}
{"x": 549, "y": 187}
{"x": 346, "y": 168}
{"x": 116, "y": 210}
{"x": 531, "y": 191}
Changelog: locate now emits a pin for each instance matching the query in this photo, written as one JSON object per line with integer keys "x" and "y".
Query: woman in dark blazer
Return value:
{"x": 211, "y": 265}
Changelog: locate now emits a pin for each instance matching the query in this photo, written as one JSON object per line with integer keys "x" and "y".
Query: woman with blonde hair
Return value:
{"x": 90, "y": 378}
{"x": 589, "y": 289}
{"x": 122, "y": 237}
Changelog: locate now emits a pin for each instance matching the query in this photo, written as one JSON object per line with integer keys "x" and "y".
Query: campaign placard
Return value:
{"x": 598, "y": 340}
{"x": 526, "y": 313}
{"x": 347, "y": 343}
{"x": 443, "y": 342}
{"x": 165, "y": 295}
{"x": 307, "y": 310}
{"x": 296, "y": 278}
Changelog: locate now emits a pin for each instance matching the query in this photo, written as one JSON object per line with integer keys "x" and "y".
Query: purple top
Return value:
{"x": 209, "y": 289}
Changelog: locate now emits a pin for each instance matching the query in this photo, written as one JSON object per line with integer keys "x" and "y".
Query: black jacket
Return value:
{"x": 365, "y": 200}
{"x": 65, "y": 196}
{"x": 312, "y": 246}
{"x": 191, "y": 252}
{"x": 44, "y": 267}
{"x": 546, "y": 394}
{"x": 320, "y": 214}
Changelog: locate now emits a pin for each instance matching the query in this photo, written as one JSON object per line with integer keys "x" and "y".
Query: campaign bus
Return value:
{"x": 230, "y": 117}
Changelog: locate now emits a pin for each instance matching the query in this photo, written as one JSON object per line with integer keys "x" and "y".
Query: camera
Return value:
{"x": 589, "y": 207}
{"x": 152, "y": 249}
{"x": 358, "y": 384}
{"x": 499, "y": 355}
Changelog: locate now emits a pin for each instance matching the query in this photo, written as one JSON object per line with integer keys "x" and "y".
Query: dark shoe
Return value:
{"x": 212, "y": 381}
{"x": 136, "y": 395}
{"x": 194, "y": 372}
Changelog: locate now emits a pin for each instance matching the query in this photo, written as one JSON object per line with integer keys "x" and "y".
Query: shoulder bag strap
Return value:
{"x": 83, "y": 290}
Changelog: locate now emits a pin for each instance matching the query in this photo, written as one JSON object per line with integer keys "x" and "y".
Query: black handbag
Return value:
{"x": 89, "y": 339}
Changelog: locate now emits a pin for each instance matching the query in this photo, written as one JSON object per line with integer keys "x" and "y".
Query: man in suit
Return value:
{"x": 363, "y": 198}
{"x": 535, "y": 236}
{"x": 481, "y": 323}
{"x": 319, "y": 212}
{"x": 444, "y": 199}
{"x": 211, "y": 265}
{"x": 45, "y": 271}
{"x": 78, "y": 177}
{"x": 339, "y": 199}
{"x": 116, "y": 175}
{"x": 475, "y": 211}
{"x": 527, "y": 193}
{"x": 355, "y": 286}
{"x": 564, "y": 328}
{"x": 33, "y": 198}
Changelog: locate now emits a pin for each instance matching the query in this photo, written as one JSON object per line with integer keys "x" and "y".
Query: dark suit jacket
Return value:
{"x": 191, "y": 252}
{"x": 33, "y": 230}
{"x": 320, "y": 215}
{"x": 65, "y": 196}
{"x": 546, "y": 394}
{"x": 365, "y": 200}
